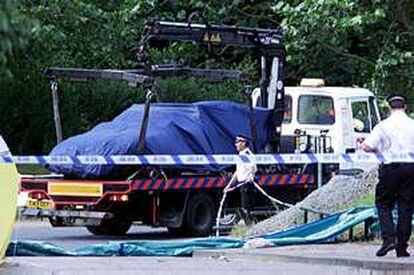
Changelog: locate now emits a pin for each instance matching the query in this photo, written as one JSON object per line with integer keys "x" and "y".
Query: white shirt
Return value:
{"x": 245, "y": 172}
{"x": 393, "y": 135}
{"x": 4, "y": 150}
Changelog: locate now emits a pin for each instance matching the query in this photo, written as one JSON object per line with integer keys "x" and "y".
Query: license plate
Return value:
{"x": 35, "y": 204}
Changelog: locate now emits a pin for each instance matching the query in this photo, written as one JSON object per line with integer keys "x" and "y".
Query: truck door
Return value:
{"x": 364, "y": 116}
{"x": 347, "y": 136}
{"x": 359, "y": 122}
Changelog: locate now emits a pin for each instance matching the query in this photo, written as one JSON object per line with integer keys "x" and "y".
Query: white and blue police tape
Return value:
{"x": 212, "y": 159}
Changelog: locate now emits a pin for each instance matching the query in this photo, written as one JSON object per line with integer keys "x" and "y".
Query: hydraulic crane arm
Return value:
{"x": 269, "y": 43}
{"x": 208, "y": 75}
{"x": 144, "y": 77}
{"x": 211, "y": 34}
{"x": 81, "y": 74}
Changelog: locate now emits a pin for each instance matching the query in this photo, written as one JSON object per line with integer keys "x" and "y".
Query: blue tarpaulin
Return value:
{"x": 320, "y": 231}
{"x": 199, "y": 128}
{"x": 130, "y": 248}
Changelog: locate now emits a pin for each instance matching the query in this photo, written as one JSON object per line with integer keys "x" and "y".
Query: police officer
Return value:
{"x": 396, "y": 180}
{"x": 244, "y": 176}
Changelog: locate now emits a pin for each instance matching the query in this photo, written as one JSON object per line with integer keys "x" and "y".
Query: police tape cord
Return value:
{"x": 265, "y": 159}
{"x": 272, "y": 199}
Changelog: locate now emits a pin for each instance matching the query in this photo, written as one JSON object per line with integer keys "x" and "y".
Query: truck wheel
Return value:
{"x": 60, "y": 221}
{"x": 56, "y": 221}
{"x": 200, "y": 215}
{"x": 177, "y": 231}
{"x": 114, "y": 227}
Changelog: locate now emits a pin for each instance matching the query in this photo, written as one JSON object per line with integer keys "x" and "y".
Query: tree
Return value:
{"x": 367, "y": 43}
{"x": 13, "y": 33}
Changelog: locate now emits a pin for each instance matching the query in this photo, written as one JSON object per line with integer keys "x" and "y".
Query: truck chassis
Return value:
{"x": 186, "y": 204}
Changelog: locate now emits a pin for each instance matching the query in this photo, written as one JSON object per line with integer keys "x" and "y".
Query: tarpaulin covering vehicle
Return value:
{"x": 203, "y": 128}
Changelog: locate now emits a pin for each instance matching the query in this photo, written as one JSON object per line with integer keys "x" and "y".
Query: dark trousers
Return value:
{"x": 246, "y": 201}
{"x": 396, "y": 186}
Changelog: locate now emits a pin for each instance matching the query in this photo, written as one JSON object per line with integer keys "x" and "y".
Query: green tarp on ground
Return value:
{"x": 323, "y": 230}
{"x": 320, "y": 231}
{"x": 130, "y": 248}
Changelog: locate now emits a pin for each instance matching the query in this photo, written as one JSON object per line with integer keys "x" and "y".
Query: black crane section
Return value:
{"x": 268, "y": 42}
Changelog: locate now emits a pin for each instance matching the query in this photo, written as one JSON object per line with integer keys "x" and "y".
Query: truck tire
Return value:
{"x": 111, "y": 227}
{"x": 56, "y": 221}
{"x": 177, "y": 231}
{"x": 200, "y": 215}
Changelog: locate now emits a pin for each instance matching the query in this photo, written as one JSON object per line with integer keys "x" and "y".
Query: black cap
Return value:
{"x": 398, "y": 97}
{"x": 396, "y": 101}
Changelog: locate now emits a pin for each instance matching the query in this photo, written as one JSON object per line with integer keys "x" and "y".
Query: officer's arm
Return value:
{"x": 368, "y": 149}
{"x": 373, "y": 142}
{"x": 232, "y": 180}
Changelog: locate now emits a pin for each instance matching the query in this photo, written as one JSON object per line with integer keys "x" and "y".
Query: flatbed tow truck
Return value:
{"x": 185, "y": 202}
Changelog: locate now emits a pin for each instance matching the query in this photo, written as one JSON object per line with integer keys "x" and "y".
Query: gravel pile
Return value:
{"x": 340, "y": 193}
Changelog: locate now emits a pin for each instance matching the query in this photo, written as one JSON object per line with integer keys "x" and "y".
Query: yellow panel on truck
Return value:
{"x": 9, "y": 179}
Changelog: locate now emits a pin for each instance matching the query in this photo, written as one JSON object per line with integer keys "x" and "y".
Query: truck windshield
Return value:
{"x": 314, "y": 109}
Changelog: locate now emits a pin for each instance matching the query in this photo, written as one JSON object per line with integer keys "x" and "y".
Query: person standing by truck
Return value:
{"x": 244, "y": 176}
{"x": 396, "y": 180}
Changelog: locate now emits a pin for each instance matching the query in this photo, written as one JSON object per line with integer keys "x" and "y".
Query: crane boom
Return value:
{"x": 269, "y": 43}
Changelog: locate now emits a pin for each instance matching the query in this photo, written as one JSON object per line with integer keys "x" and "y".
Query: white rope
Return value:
{"x": 286, "y": 204}
{"x": 226, "y": 190}
{"x": 219, "y": 213}
{"x": 270, "y": 197}
{"x": 258, "y": 187}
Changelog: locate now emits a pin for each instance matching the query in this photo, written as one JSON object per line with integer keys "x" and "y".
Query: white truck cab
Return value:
{"x": 340, "y": 113}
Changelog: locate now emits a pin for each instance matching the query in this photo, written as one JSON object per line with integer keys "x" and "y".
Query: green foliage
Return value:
{"x": 367, "y": 43}
{"x": 13, "y": 31}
